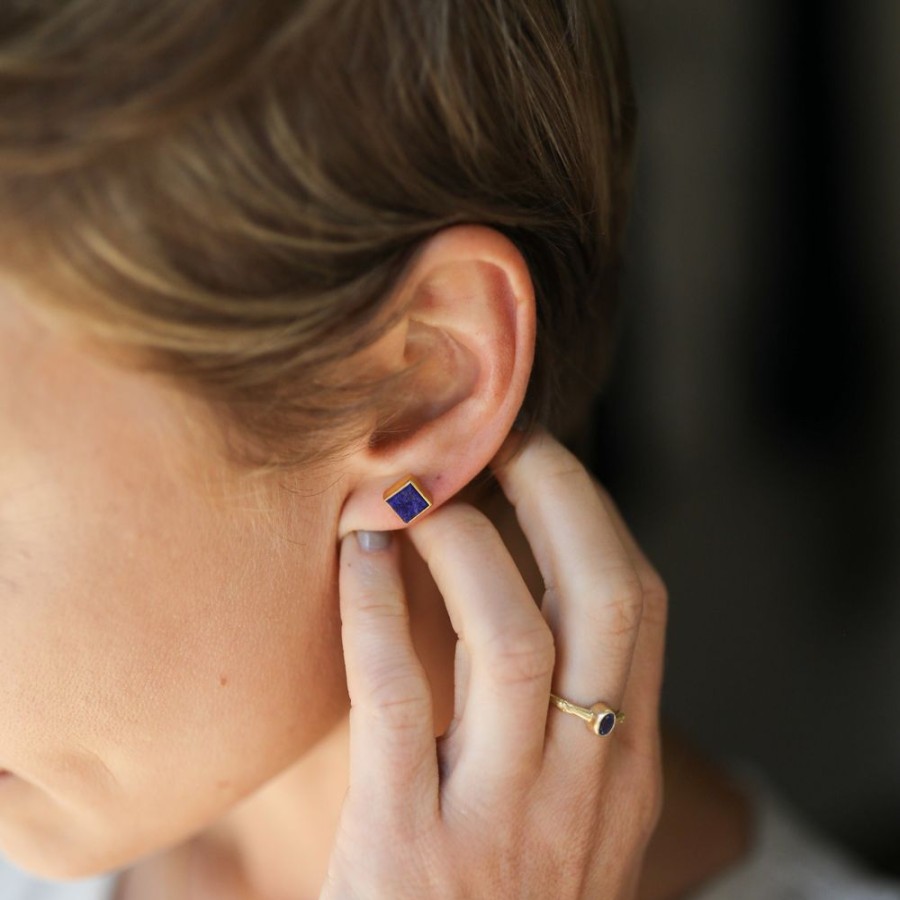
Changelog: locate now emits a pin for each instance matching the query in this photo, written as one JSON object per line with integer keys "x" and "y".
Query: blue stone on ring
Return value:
{"x": 407, "y": 498}
{"x": 605, "y": 724}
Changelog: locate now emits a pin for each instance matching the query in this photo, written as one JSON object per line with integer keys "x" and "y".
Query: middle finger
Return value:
{"x": 497, "y": 744}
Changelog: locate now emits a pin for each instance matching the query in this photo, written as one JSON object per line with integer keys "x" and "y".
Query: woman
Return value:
{"x": 261, "y": 264}
{"x": 205, "y": 684}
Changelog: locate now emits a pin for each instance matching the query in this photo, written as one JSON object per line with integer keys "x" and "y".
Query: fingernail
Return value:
{"x": 371, "y": 541}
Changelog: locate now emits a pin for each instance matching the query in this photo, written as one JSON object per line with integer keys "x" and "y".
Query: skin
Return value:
{"x": 151, "y": 616}
{"x": 171, "y": 663}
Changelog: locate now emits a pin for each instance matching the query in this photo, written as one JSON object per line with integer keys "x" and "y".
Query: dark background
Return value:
{"x": 752, "y": 425}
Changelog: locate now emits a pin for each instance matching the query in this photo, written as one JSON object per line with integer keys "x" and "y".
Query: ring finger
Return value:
{"x": 593, "y": 594}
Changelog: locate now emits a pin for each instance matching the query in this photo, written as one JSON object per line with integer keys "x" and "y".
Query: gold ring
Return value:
{"x": 599, "y": 718}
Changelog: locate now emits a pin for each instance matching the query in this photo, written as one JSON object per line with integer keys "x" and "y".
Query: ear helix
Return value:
{"x": 407, "y": 498}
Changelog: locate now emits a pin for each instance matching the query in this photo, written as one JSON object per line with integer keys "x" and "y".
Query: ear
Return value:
{"x": 470, "y": 312}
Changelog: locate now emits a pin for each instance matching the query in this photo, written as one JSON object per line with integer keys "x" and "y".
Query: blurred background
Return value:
{"x": 751, "y": 431}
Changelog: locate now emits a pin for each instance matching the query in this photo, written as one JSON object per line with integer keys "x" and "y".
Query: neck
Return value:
{"x": 276, "y": 844}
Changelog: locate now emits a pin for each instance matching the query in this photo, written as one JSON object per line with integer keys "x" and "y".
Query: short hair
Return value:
{"x": 230, "y": 189}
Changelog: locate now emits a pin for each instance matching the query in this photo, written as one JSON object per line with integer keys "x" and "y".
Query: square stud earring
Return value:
{"x": 407, "y": 498}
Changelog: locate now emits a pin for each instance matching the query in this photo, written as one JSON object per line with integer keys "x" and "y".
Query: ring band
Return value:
{"x": 599, "y": 718}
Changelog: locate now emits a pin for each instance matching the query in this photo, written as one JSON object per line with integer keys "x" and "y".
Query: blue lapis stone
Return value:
{"x": 407, "y": 503}
{"x": 606, "y": 724}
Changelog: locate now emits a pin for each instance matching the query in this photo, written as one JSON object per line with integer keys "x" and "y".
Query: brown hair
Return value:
{"x": 231, "y": 189}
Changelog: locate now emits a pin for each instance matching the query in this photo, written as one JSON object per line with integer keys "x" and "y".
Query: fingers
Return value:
{"x": 594, "y": 596}
{"x": 516, "y": 808}
{"x": 498, "y": 741}
{"x": 642, "y": 694}
{"x": 393, "y": 760}
{"x": 604, "y": 605}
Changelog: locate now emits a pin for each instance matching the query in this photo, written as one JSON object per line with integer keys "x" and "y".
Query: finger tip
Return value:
{"x": 511, "y": 446}
{"x": 373, "y": 541}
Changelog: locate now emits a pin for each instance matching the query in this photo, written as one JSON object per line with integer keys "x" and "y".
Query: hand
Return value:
{"x": 517, "y": 799}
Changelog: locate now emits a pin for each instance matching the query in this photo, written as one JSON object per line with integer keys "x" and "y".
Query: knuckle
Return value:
{"x": 656, "y": 596}
{"x": 379, "y": 604}
{"x": 464, "y": 526}
{"x": 547, "y": 460}
{"x": 398, "y": 697}
{"x": 623, "y": 600}
{"x": 571, "y": 471}
{"x": 399, "y": 717}
{"x": 454, "y": 527}
{"x": 472, "y": 524}
{"x": 522, "y": 657}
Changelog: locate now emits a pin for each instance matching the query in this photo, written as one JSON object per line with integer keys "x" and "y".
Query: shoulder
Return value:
{"x": 791, "y": 860}
{"x": 18, "y": 885}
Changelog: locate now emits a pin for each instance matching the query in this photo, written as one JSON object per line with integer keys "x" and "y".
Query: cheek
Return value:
{"x": 157, "y": 663}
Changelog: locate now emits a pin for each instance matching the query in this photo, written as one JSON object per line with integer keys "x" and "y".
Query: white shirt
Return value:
{"x": 790, "y": 860}
{"x": 18, "y": 885}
